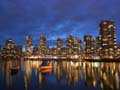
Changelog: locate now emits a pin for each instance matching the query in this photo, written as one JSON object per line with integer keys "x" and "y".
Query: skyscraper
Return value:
{"x": 69, "y": 45}
{"x": 43, "y": 47}
{"x": 118, "y": 51}
{"x": 36, "y": 50}
{"x": 107, "y": 39}
{"x": 89, "y": 46}
{"x": 59, "y": 43}
{"x": 59, "y": 46}
{"x": 97, "y": 46}
{"x": 10, "y": 49}
{"x": 74, "y": 47}
{"x": 19, "y": 50}
{"x": 77, "y": 46}
{"x": 28, "y": 45}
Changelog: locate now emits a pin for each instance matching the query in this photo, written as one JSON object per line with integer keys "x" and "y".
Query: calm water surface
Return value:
{"x": 58, "y": 75}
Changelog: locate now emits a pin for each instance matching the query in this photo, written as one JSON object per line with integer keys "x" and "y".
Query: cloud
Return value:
{"x": 55, "y": 18}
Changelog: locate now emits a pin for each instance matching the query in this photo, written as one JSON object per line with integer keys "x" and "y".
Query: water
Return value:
{"x": 58, "y": 75}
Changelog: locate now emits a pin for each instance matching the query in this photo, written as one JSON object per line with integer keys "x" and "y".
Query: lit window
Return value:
{"x": 104, "y": 22}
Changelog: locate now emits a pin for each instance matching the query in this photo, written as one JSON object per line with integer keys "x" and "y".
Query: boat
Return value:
{"x": 46, "y": 67}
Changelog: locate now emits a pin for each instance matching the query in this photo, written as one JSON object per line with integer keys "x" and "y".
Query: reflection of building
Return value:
{"x": 58, "y": 70}
{"x": 89, "y": 46}
{"x": 104, "y": 74}
{"x": 108, "y": 39}
{"x": 9, "y": 69}
{"x": 28, "y": 45}
{"x": 27, "y": 74}
{"x": 72, "y": 71}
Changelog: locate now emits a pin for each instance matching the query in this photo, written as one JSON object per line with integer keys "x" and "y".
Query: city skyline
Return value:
{"x": 55, "y": 18}
{"x": 64, "y": 40}
{"x": 60, "y": 44}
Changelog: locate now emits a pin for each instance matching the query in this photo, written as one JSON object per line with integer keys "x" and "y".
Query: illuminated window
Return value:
{"x": 104, "y": 22}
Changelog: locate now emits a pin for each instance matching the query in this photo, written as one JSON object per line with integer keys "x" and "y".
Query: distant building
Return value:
{"x": 9, "y": 50}
{"x": 108, "y": 39}
{"x": 59, "y": 47}
{"x": 77, "y": 46}
{"x": 63, "y": 52}
{"x": 118, "y": 51}
{"x": 69, "y": 46}
{"x": 43, "y": 50}
{"x": 19, "y": 50}
{"x": 28, "y": 45}
{"x": 98, "y": 46}
{"x": 89, "y": 46}
{"x": 36, "y": 50}
{"x": 53, "y": 51}
{"x": 74, "y": 47}
{"x": 59, "y": 43}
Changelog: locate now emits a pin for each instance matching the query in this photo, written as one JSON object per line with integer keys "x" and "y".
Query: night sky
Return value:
{"x": 55, "y": 18}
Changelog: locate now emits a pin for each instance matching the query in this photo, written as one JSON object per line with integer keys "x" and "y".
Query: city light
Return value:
{"x": 95, "y": 48}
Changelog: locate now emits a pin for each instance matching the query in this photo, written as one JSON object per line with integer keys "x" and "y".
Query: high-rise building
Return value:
{"x": 9, "y": 49}
{"x": 77, "y": 46}
{"x": 28, "y": 45}
{"x": 63, "y": 52}
{"x": 19, "y": 50}
{"x": 98, "y": 46}
{"x": 74, "y": 47}
{"x": 43, "y": 47}
{"x": 10, "y": 44}
{"x": 89, "y": 46}
{"x": 107, "y": 39}
{"x": 59, "y": 47}
{"x": 53, "y": 51}
{"x": 36, "y": 50}
{"x": 59, "y": 43}
{"x": 118, "y": 51}
{"x": 69, "y": 46}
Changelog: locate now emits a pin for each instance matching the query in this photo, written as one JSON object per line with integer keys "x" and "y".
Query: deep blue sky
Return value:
{"x": 55, "y": 18}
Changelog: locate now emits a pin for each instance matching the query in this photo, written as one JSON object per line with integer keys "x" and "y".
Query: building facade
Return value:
{"x": 9, "y": 50}
{"x": 59, "y": 47}
{"x": 28, "y": 46}
{"x": 43, "y": 47}
{"x": 74, "y": 47}
{"x": 69, "y": 46}
{"x": 107, "y": 39}
{"x": 19, "y": 50}
{"x": 89, "y": 47}
{"x": 36, "y": 50}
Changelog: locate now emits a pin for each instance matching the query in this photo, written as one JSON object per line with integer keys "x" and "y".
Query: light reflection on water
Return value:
{"x": 28, "y": 75}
